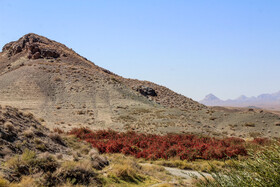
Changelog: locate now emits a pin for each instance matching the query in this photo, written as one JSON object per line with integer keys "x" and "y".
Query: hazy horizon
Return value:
{"x": 228, "y": 48}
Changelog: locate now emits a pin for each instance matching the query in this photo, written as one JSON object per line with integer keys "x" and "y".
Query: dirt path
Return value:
{"x": 187, "y": 174}
{"x": 104, "y": 106}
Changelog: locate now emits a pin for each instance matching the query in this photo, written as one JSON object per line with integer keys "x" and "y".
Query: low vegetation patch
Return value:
{"x": 148, "y": 146}
{"x": 29, "y": 163}
{"x": 45, "y": 169}
{"x": 261, "y": 169}
{"x": 126, "y": 169}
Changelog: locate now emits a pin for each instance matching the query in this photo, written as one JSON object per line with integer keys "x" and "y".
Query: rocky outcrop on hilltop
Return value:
{"x": 34, "y": 46}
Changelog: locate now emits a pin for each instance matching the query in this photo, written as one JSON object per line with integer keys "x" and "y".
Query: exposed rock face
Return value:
{"x": 35, "y": 46}
{"x": 146, "y": 91}
{"x": 165, "y": 96}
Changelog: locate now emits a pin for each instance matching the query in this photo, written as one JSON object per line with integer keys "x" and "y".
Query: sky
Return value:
{"x": 194, "y": 47}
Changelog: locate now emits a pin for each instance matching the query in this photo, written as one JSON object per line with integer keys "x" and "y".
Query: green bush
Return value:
{"x": 261, "y": 169}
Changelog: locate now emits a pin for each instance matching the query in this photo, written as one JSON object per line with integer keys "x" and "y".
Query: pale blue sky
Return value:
{"x": 196, "y": 47}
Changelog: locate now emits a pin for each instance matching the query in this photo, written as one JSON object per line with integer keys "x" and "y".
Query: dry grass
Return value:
{"x": 75, "y": 144}
{"x": 198, "y": 165}
{"x": 56, "y": 138}
{"x": 3, "y": 182}
{"x": 45, "y": 170}
{"x": 9, "y": 126}
{"x": 28, "y": 133}
{"x": 164, "y": 185}
{"x": 126, "y": 169}
{"x": 28, "y": 163}
{"x": 25, "y": 181}
{"x": 156, "y": 171}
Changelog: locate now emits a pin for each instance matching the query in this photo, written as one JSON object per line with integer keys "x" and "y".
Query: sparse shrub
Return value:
{"x": 28, "y": 163}
{"x": 75, "y": 156}
{"x": 76, "y": 145}
{"x": 115, "y": 80}
{"x": 28, "y": 115}
{"x": 250, "y": 124}
{"x": 57, "y": 79}
{"x": 254, "y": 134}
{"x": 28, "y": 133}
{"x": 9, "y": 126}
{"x": 59, "y": 156}
{"x": 80, "y": 112}
{"x": 125, "y": 168}
{"x": 25, "y": 181}
{"x": 41, "y": 120}
{"x": 58, "y": 130}
{"x": 93, "y": 152}
{"x": 41, "y": 147}
{"x": 124, "y": 172}
{"x": 56, "y": 138}
{"x": 277, "y": 123}
{"x": 38, "y": 141}
{"x": 75, "y": 173}
{"x": 212, "y": 118}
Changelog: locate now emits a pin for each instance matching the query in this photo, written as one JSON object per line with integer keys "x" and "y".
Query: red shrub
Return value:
{"x": 58, "y": 130}
{"x": 261, "y": 141}
{"x": 186, "y": 147}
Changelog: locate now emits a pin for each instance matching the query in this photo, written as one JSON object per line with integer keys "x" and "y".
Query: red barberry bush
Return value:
{"x": 149, "y": 146}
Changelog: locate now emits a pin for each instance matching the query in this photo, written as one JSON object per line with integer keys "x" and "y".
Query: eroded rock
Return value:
{"x": 33, "y": 45}
{"x": 146, "y": 91}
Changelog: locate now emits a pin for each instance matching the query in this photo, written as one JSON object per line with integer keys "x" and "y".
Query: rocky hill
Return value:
{"x": 58, "y": 85}
{"x": 66, "y": 90}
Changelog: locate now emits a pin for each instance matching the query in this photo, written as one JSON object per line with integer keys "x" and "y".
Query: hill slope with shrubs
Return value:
{"x": 32, "y": 155}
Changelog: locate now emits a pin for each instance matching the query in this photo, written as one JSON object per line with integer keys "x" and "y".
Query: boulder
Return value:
{"x": 36, "y": 55}
{"x": 146, "y": 91}
{"x": 49, "y": 53}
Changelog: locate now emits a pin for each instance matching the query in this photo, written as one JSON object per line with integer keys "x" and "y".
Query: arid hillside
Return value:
{"x": 66, "y": 90}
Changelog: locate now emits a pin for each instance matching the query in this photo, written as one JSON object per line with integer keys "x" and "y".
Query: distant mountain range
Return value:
{"x": 267, "y": 101}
